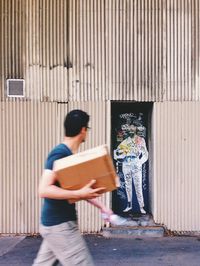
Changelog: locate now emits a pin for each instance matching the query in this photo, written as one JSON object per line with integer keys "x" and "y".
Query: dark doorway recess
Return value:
{"x": 130, "y": 132}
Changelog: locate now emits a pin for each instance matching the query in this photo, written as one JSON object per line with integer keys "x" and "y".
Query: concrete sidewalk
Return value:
{"x": 165, "y": 251}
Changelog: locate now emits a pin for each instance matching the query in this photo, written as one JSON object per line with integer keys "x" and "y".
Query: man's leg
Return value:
{"x": 67, "y": 244}
{"x": 45, "y": 256}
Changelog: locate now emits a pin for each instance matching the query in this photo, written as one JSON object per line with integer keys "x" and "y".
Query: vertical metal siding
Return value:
{"x": 47, "y": 48}
{"x": 152, "y": 50}
{"x": 93, "y": 51}
{"x": 176, "y": 181}
{"x": 27, "y": 133}
{"x": 66, "y": 50}
{"x": 88, "y": 50}
{"x": 12, "y": 42}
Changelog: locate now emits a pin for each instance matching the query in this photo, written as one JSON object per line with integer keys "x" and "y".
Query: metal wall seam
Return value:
{"x": 176, "y": 168}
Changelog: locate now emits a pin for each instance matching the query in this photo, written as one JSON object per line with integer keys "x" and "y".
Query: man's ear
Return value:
{"x": 83, "y": 134}
{"x": 83, "y": 129}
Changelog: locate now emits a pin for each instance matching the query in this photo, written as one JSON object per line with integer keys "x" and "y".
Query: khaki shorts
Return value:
{"x": 64, "y": 243}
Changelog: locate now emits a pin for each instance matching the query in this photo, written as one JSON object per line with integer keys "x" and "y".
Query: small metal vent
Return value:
{"x": 15, "y": 87}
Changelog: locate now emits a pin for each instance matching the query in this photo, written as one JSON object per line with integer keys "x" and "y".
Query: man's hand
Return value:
{"x": 87, "y": 192}
{"x": 47, "y": 189}
{"x": 105, "y": 211}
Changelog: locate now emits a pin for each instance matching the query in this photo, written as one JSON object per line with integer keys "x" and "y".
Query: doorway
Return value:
{"x": 130, "y": 135}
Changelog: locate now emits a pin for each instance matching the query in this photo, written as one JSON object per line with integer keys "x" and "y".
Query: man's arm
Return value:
{"x": 47, "y": 189}
{"x": 101, "y": 206}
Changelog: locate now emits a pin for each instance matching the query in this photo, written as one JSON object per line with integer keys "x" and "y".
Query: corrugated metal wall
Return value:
{"x": 83, "y": 51}
{"x": 145, "y": 50}
{"x": 27, "y": 133}
{"x": 176, "y": 182}
{"x": 12, "y": 40}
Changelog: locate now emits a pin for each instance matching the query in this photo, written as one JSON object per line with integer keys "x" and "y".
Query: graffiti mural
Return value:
{"x": 130, "y": 156}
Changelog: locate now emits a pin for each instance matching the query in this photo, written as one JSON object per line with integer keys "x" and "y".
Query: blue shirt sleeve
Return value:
{"x": 56, "y": 154}
{"x": 50, "y": 160}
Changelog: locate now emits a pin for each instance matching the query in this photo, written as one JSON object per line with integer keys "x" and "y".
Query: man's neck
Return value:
{"x": 72, "y": 143}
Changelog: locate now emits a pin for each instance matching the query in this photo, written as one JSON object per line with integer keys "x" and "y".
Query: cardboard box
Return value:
{"x": 77, "y": 170}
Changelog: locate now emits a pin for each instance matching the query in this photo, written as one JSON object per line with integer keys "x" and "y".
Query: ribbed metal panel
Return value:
{"x": 47, "y": 50}
{"x": 176, "y": 180}
{"x": 153, "y": 50}
{"x": 89, "y": 216}
{"x": 34, "y": 46}
{"x": 12, "y": 41}
{"x": 87, "y": 50}
{"x": 27, "y": 133}
{"x": 145, "y": 50}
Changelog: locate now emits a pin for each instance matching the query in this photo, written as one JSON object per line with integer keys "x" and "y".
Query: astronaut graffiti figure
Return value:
{"x": 132, "y": 152}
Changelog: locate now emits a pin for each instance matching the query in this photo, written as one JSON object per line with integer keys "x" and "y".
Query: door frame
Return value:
{"x": 135, "y": 106}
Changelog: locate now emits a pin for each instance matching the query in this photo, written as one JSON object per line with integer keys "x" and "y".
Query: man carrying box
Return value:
{"x": 62, "y": 240}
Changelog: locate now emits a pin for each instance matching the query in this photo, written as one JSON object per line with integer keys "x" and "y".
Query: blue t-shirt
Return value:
{"x": 57, "y": 211}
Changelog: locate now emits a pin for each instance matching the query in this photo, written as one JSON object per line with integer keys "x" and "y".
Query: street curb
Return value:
{"x": 132, "y": 232}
